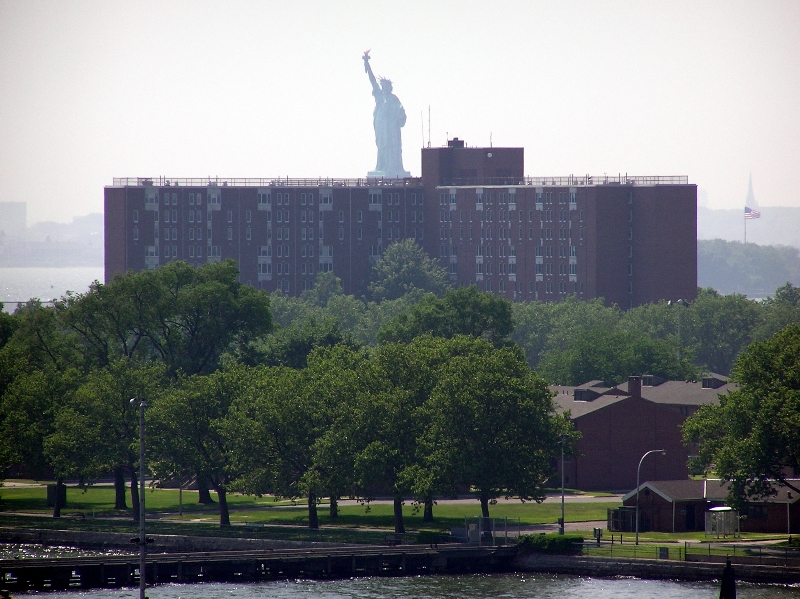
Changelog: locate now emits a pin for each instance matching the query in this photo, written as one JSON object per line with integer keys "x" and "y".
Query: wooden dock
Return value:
{"x": 21, "y": 575}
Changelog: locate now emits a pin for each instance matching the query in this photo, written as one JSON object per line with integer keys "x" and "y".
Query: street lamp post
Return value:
{"x": 638, "y": 471}
{"x": 142, "y": 538}
{"x": 561, "y": 528}
{"x": 685, "y": 304}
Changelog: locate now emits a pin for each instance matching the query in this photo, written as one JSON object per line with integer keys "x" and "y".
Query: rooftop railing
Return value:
{"x": 565, "y": 181}
{"x": 264, "y": 182}
{"x": 572, "y": 180}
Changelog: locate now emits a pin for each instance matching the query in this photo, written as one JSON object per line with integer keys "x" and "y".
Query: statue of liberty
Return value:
{"x": 387, "y": 118}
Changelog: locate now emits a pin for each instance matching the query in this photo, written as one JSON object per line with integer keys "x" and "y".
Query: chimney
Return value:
{"x": 635, "y": 386}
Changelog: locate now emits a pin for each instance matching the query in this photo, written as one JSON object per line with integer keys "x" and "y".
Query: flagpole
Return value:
{"x": 745, "y": 229}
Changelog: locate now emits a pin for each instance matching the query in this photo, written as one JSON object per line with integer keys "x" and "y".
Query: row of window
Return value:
{"x": 503, "y": 250}
{"x": 486, "y": 268}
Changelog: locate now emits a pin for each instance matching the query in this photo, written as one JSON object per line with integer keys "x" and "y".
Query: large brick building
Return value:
{"x": 619, "y": 424}
{"x": 630, "y": 240}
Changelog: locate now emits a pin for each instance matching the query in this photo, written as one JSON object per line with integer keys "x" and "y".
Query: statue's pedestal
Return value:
{"x": 388, "y": 175}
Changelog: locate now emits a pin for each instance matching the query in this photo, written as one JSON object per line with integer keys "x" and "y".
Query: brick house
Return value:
{"x": 619, "y": 424}
{"x": 681, "y": 505}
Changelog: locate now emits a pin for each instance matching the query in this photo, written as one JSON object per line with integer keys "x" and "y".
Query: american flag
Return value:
{"x": 750, "y": 213}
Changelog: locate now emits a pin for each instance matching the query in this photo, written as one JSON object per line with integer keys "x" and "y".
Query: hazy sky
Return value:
{"x": 95, "y": 90}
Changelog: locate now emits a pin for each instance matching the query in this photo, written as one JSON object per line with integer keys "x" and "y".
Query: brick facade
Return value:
{"x": 628, "y": 240}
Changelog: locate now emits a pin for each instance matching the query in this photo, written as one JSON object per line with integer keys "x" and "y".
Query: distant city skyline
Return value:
{"x": 94, "y": 90}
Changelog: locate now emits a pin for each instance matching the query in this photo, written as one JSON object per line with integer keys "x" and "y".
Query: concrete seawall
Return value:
{"x": 160, "y": 544}
{"x": 650, "y": 568}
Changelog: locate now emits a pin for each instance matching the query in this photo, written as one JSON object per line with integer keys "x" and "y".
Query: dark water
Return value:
{"x": 505, "y": 586}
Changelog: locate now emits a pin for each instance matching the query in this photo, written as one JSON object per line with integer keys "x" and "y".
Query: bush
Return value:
{"x": 553, "y": 544}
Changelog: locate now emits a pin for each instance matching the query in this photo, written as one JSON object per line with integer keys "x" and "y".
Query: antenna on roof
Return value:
{"x": 429, "y": 125}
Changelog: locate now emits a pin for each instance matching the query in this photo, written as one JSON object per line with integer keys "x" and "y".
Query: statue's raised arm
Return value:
{"x": 368, "y": 70}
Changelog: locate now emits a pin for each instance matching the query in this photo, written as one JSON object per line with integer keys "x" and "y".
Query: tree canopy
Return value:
{"x": 752, "y": 438}
{"x": 404, "y": 267}
{"x": 463, "y": 311}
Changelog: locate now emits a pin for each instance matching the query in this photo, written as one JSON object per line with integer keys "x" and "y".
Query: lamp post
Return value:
{"x": 142, "y": 538}
{"x": 561, "y": 527}
{"x": 638, "y": 471}
{"x": 685, "y": 304}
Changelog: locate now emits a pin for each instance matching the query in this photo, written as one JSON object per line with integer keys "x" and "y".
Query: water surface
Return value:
{"x": 503, "y": 586}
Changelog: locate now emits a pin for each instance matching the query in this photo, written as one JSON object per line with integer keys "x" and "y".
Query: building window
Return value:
{"x": 175, "y": 234}
{"x": 230, "y": 233}
{"x": 230, "y": 216}
{"x": 341, "y": 233}
{"x": 248, "y": 234}
{"x": 136, "y": 233}
{"x": 341, "y": 216}
{"x": 359, "y": 233}
{"x": 191, "y": 216}
{"x": 191, "y": 234}
{"x": 248, "y": 216}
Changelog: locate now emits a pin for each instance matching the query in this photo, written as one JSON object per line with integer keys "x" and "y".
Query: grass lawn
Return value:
{"x": 447, "y": 515}
{"x": 99, "y": 501}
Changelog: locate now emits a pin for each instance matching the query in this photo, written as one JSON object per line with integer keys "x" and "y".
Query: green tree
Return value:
{"x": 291, "y": 345}
{"x": 777, "y": 312}
{"x": 7, "y": 325}
{"x": 344, "y": 380}
{"x": 612, "y": 356}
{"x": 752, "y": 438}
{"x": 540, "y": 327}
{"x": 276, "y": 426}
{"x": 100, "y": 419}
{"x": 181, "y": 315}
{"x": 29, "y": 410}
{"x": 188, "y": 427}
{"x": 463, "y": 311}
{"x": 493, "y": 426}
{"x": 392, "y": 422}
{"x": 326, "y": 286}
{"x": 404, "y": 267}
{"x": 718, "y": 327}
